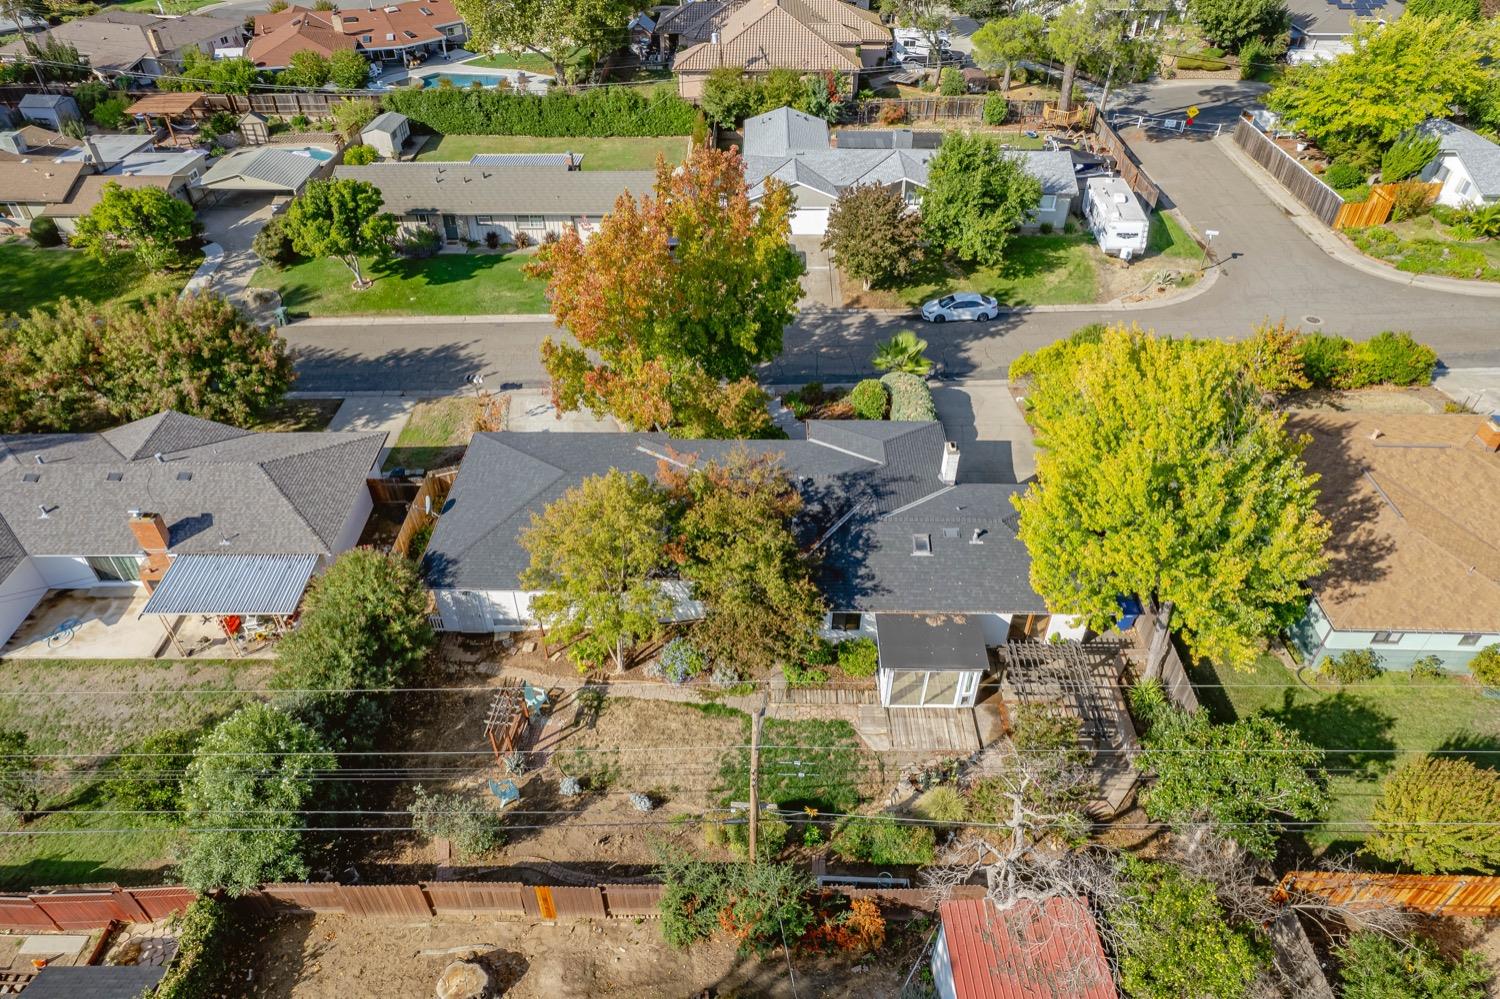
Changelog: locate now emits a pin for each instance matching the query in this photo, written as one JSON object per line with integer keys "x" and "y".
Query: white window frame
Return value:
{"x": 531, "y": 222}
{"x": 1388, "y": 638}
{"x": 836, "y": 616}
{"x": 1048, "y": 203}
{"x": 487, "y": 220}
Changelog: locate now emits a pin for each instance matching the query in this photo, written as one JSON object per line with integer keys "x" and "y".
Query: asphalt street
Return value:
{"x": 1268, "y": 269}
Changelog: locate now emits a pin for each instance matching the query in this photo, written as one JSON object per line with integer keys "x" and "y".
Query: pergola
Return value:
{"x": 169, "y": 106}
{"x": 239, "y": 590}
{"x": 1079, "y": 680}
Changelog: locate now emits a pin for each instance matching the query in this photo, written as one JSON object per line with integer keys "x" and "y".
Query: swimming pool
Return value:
{"x": 465, "y": 79}
{"x": 316, "y": 152}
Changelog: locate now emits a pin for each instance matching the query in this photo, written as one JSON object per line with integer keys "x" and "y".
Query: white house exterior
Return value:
{"x": 1414, "y": 557}
{"x": 122, "y": 507}
{"x": 1467, "y": 165}
{"x": 1321, "y": 28}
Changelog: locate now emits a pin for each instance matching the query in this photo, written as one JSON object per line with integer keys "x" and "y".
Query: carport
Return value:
{"x": 252, "y": 596}
{"x": 264, "y": 170}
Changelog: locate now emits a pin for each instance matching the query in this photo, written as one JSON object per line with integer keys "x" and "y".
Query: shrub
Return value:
{"x": 1323, "y": 358}
{"x": 299, "y": 123}
{"x": 110, "y": 114}
{"x": 880, "y": 839}
{"x": 523, "y": 239}
{"x": 1411, "y": 200}
{"x": 472, "y": 831}
{"x": 142, "y": 781}
{"x": 911, "y": 399}
{"x": 360, "y": 155}
{"x": 570, "y": 787}
{"x": 1407, "y": 157}
{"x": 681, "y": 661}
{"x": 201, "y": 933}
{"x": 950, "y": 82}
{"x": 941, "y": 804}
{"x": 1428, "y": 668}
{"x": 1438, "y": 815}
{"x": 1373, "y": 966}
{"x": 758, "y": 904}
{"x": 420, "y": 242}
{"x": 893, "y": 114}
{"x": 803, "y": 674}
{"x": 604, "y": 111}
{"x": 1486, "y": 666}
{"x": 1341, "y": 173}
{"x": 44, "y": 232}
{"x": 870, "y": 399}
{"x": 996, "y": 108}
{"x": 1389, "y": 358}
{"x": 858, "y": 657}
{"x": 770, "y": 836}
{"x": 273, "y": 245}
{"x": 1256, "y": 56}
{"x": 1352, "y": 666}
{"x": 1476, "y": 221}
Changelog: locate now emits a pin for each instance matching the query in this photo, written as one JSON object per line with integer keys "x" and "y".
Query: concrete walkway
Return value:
{"x": 1477, "y": 388}
{"x": 371, "y": 413}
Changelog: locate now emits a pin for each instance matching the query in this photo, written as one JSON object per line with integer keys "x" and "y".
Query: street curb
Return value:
{"x": 366, "y": 320}
{"x": 1336, "y": 246}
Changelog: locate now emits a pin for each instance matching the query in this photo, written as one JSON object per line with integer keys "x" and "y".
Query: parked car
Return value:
{"x": 964, "y": 305}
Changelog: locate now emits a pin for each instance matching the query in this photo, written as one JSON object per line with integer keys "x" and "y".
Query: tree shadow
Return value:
{"x": 1480, "y": 749}
{"x": 1354, "y": 731}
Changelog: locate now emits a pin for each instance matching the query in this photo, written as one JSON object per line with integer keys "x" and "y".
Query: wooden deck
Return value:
{"x": 928, "y": 730}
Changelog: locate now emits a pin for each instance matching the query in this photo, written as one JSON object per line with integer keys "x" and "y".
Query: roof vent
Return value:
{"x": 1376, "y": 434}
{"x": 161, "y": 459}
{"x": 184, "y": 476}
{"x": 134, "y": 513}
{"x": 45, "y": 509}
{"x": 921, "y": 544}
{"x": 31, "y": 477}
{"x": 950, "y": 532}
{"x": 977, "y": 538}
{"x": 41, "y": 460}
{"x": 114, "y": 477}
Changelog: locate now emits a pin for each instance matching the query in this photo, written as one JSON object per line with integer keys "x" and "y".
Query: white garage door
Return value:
{"x": 809, "y": 222}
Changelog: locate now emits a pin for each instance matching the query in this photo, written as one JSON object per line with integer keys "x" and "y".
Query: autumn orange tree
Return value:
{"x": 679, "y": 294}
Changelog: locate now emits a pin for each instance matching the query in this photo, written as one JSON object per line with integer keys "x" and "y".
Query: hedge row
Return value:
{"x": 911, "y": 399}
{"x": 603, "y": 112}
{"x": 1390, "y": 358}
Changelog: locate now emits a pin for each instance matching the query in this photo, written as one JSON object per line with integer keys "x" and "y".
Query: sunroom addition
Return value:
{"x": 930, "y": 660}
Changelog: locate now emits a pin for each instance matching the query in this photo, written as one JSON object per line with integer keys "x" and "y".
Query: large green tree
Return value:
{"x": 348, "y": 70}
{"x": 201, "y": 71}
{"x": 1159, "y": 474}
{"x": 595, "y": 556}
{"x": 874, "y": 235}
{"x": 1229, "y": 24}
{"x": 736, "y": 546}
{"x": 1397, "y": 76}
{"x": 341, "y": 219}
{"x": 676, "y": 294}
{"x": 1002, "y": 43}
{"x": 306, "y": 68}
{"x": 552, "y": 29}
{"x": 1242, "y": 777}
{"x": 78, "y": 363}
{"x": 249, "y": 781}
{"x": 1439, "y": 815}
{"x": 146, "y": 222}
{"x": 1074, "y": 36}
{"x": 364, "y": 628}
{"x": 976, "y": 196}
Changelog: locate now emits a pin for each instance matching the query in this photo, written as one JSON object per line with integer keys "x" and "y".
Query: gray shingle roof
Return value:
{"x": 387, "y": 121}
{"x": 264, "y": 493}
{"x": 94, "y": 982}
{"x": 923, "y": 641}
{"x": 558, "y": 161}
{"x": 1335, "y": 17}
{"x": 782, "y": 131}
{"x": 462, "y": 189}
{"x": 882, "y": 475}
{"x": 1480, "y": 156}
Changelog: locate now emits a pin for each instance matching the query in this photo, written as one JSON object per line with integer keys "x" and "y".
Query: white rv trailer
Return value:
{"x": 1115, "y": 217}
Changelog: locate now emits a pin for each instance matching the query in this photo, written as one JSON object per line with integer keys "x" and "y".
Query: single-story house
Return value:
{"x": 757, "y": 36}
{"x": 927, "y": 566}
{"x": 1467, "y": 164}
{"x": 388, "y": 134}
{"x": 208, "y": 518}
{"x": 105, "y": 151}
{"x": 90, "y": 190}
{"x": 266, "y": 170}
{"x": 463, "y": 201}
{"x": 1030, "y": 950}
{"x": 396, "y": 32}
{"x": 1414, "y": 557}
{"x": 35, "y": 142}
{"x": 798, "y": 149}
{"x": 52, "y": 110}
{"x": 68, "y": 186}
{"x": 1321, "y": 28}
{"x": 28, "y": 187}
{"x": 117, "y": 42}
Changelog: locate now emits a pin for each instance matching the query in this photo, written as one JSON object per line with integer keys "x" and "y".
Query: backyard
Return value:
{"x": 31, "y": 277}
{"x": 1367, "y": 728}
{"x": 598, "y": 154}
{"x": 448, "y": 284}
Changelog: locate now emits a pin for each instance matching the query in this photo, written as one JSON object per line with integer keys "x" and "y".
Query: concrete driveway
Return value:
{"x": 820, "y": 282}
{"x": 994, "y": 442}
{"x": 233, "y": 223}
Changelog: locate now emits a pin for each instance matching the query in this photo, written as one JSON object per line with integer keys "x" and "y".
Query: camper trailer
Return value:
{"x": 1116, "y": 217}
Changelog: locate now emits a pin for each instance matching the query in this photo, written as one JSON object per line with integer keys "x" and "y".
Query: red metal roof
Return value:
{"x": 1030, "y": 951}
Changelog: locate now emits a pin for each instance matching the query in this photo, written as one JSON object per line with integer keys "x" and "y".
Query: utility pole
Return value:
{"x": 760, "y": 714}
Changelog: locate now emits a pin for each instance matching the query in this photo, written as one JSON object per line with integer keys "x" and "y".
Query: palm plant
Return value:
{"x": 903, "y": 352}
{"x": 1480, "y": 222}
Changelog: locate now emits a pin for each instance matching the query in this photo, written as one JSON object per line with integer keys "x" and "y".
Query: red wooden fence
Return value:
{"x": 1435, "y": 894}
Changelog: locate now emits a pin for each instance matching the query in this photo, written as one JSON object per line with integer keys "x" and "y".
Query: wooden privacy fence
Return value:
{"x": 1130, "y": 171}
{"x": 1316, "y": 196}
{"x": 1174, "y": 677}
{"x": 1376, "y": 209}
{"x": 426, "y": 505}
{"x": 1434, "y": 894}
{"x": 90, "y": 907}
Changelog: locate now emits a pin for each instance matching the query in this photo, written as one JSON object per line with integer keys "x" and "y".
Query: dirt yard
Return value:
{"x": 337, "y": 957}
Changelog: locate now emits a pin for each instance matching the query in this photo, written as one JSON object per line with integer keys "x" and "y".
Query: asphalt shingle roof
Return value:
{"x": 263, "y": 493}
{"x": 867, "y": 487}
{"x": 1480, "y": 156}
{"x": 95, "y": 982}
{"x": 464, "y": 189}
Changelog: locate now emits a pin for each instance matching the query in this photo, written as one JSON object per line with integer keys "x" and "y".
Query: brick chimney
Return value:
{"x": 1489, "y": 432}
{"x": 150, "y": 532}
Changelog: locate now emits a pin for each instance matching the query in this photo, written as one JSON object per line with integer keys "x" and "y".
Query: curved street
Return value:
{"x": 1268, "y": 269}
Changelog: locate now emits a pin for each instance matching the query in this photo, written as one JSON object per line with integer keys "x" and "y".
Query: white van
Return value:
{"x": 1116, "y": 217}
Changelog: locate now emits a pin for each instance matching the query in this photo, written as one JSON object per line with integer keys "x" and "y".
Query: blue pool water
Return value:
{"x": 316, "y": 152}
{"x": 463, "y": 79}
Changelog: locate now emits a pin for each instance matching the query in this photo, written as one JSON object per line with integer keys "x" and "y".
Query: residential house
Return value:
{"x": 464, "y": 201}
{"x": 399, "y": 33}
{"x": 799, "y": 150}
{"x": 1414, "y": 557}
{"x": 28, "y": 187}
{"x": 33, "y": 141}
{"x": 267, "y": 170}
{"x": 1467, "y": 164}
{"x": 1030, "y": 950}
{"x": 122, "y": 42}
{"x": 200, "y": 514}
{"x": 1321, "y": 28}
{"x": 757, "y": 36}
{"x": 388, "y": 134}
{"x": 927, "y": 565}
{"x": 67, "y": 185}
{"x": 52, "y": 110}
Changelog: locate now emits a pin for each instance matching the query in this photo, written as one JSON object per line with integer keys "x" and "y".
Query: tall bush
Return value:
{"x": 201, "y": 933}
{"x": 995, "y": 109}
{"x": 881, "y": 839}
{"x": 605, "y": 111}
{"x": 870, "y": 399}
{"x": 1410, "y": 154}
{"x": 911, "y": 399}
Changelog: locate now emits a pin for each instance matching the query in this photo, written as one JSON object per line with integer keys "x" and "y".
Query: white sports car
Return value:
{"x": 964, "y": 305}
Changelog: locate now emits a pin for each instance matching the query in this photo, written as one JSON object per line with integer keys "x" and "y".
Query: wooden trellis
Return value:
{"x": 506, "y": 720}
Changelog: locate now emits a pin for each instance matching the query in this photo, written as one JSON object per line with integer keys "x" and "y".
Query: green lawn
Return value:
{"x": 1038, "y": 270}
{"x": 529, "y": 62}
{"x": 449, "y": 284}
{"x": 1367, "y": 728}
{"x": 436, "y": 434}
{"x": 1169, "y": 239}
{"x": 598, "y": 154}
{"x": 31, "y": 277}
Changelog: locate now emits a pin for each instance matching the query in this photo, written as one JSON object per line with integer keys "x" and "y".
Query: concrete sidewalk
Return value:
{"x": 368, "y": 414}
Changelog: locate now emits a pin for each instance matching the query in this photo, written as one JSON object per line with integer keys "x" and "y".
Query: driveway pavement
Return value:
{"x": 994, "y": 442}
{"x": 820, "y": 281}
{"x": 233, "y": 224}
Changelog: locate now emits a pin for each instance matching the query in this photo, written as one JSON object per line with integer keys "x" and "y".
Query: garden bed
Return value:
{"x": 1425, "y": 246}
